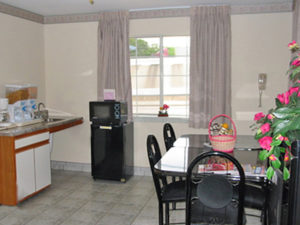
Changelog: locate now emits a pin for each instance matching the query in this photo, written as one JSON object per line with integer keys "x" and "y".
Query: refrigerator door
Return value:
{"x": 107, "y": 152}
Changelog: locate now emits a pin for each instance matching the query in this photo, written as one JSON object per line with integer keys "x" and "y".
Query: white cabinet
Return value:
{"x": 25, "y": 173}
{"x": 42, "y": 166}
{"x": 33, "y": 166}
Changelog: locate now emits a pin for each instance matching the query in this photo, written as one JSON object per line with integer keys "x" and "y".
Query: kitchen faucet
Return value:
{"x": 43, "y": 114}
{"x": 39, "y": 106}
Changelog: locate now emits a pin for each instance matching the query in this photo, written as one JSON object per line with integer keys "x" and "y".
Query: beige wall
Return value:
{"x": 71, "y": 82}
{"x": 258, "y": 45}
{"x": 21, "y": 53}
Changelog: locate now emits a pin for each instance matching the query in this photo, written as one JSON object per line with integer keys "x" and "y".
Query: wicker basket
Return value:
{"x": 222, "y": 142}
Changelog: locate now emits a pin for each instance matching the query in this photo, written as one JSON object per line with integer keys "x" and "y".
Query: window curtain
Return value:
{"x": 210, "y": 64}
{"x": 113, "y": 56}
{"x": 296, "y": 21}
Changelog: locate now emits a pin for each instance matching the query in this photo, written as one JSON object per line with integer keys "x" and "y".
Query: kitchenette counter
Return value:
{"x": 25, "y": 163}
{"x": 54, "y": 124}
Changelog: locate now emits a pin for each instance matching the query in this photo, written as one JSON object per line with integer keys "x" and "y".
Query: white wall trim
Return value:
{"x": 160, "y": 13}
{"x": 24, "y": 14}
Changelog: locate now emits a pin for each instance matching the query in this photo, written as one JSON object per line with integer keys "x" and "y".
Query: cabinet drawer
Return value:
{"x": 19, "y": 143}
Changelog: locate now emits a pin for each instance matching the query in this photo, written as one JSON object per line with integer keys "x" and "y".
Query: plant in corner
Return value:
{"x": 281, "y": 125}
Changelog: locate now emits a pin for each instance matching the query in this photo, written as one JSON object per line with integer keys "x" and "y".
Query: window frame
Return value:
{"x": 176, "y": 118}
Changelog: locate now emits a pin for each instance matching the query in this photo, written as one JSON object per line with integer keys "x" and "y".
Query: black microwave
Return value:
{"x": 108, "y": 112}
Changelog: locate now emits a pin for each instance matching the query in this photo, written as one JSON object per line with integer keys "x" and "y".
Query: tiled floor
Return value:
{"x": 76, "y": 199}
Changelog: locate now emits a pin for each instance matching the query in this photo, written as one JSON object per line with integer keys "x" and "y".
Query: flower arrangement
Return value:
{"x": 281, "y": 126}
{"x": 163, "y": 110}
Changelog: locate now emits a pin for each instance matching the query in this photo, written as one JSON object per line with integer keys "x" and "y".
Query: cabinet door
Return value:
{"x": 42, "y": 166}
{"x": 25, "y": 173}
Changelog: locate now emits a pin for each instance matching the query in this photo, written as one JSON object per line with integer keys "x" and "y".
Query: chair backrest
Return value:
{"x": 215, "y": 197}
{"x": 154, "y": 155}
{"x": 169, "y": 136}
{"x": 274, "y": 203}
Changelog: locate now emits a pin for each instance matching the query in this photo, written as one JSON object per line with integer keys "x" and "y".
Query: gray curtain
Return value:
{"x": 210, "y": 66}
{"x": 113, "y": 56}
{"x": 296, "y": 21}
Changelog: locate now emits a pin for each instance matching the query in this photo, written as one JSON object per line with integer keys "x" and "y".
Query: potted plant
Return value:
{"x": 163, "y": 111}
{"x": 281, "y": 126}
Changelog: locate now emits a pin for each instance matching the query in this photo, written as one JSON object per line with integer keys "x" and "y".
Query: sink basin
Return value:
{"x": 49, "y": 120}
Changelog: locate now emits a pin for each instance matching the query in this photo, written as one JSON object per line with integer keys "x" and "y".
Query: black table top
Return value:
{"x": 175, "y": 162}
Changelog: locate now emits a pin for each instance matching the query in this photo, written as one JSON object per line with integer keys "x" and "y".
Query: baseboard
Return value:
{"x": 86, "y": 167}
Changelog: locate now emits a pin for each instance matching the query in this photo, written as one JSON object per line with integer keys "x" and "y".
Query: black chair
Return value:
{"x": 274, "y": 203}
{"x": 166, "y": 193}
{"x": 255, "y": 198}
{"x": 169, "y": 136}
{"x": 214, "y": 198}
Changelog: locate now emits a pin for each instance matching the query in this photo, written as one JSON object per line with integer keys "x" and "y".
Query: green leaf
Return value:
{"x": 270, "y": 173}
{"x": 282, "y": 149}
{"x": 276, "y": 151}
{"x": 258, "y": 135}
{"x": 278, "y": 103}
{"x": 263, "y": 155}
{"x": 284, "y": 113}
{"x": 286, "y": 173}
{"x": 276, "y": 164}
{"x": 282, "y": 127}
{"x": 294, "y": 73}
{"x": 288, "y": 142}
{"x": 277, "y": 142}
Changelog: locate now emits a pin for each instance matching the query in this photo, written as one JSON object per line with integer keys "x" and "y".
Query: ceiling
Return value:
{"x": 66, "y": 7}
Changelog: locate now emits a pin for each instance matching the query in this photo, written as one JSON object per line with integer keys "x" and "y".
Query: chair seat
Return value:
{"x": 174, "y": 192}
{"x": 255, "y": 197}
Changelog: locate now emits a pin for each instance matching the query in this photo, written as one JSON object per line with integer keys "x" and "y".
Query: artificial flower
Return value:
{"x": 293, "y": 45}
{"x": 296, "y": 62}
{"x": 265, "y": 142}
{"x": 165, "y": 106}
{"x": 265, "y": 128}
{"x": 286, "y": 156}
{"x": 270, "y": 116}
{"x": 280, "y": 97}
{"x": 259, "y": 116}
{"x": 293, "y": 90}
{"x": 273, "y": 157}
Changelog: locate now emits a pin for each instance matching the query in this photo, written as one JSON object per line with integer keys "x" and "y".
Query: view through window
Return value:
{"x": 160, "y": 74}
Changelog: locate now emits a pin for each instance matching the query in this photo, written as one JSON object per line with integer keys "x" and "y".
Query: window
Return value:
{"x": 160, "y": 74}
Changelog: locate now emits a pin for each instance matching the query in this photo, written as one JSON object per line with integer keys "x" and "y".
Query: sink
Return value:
{"x": 49, "y": 120}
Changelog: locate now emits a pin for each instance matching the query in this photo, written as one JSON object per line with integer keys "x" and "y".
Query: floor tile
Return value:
{"x": 75, "y": 198}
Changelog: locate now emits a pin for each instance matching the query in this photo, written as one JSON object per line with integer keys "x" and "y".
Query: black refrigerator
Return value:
{"x": 112, "y": 151}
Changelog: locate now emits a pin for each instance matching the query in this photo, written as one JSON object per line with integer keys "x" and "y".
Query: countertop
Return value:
{"x": 53, "y": 126}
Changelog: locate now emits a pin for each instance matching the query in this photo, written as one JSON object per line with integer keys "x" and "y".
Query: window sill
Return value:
{"x": 158, "y": 119}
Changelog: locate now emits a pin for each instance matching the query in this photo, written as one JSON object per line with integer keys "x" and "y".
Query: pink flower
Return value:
{"x": 286, "y": 156}
{"x": 270, "y": 116}
{"x": 273, "y": 157}
{"x": 259, "y": 116}
{"x": 293, "y": 90}
{"x": 286, "y": 97}
{"x": 265, "y": 142}
{"x": 293, "y": 45}
{"x": 296, "y": 62}
{"x": 165, "y": 106}
{"x": 281, "y": 98}
{"x": 265, "y": 128}
{"x": 280, "y": 137}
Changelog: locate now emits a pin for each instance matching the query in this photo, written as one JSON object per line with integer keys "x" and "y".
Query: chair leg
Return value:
{"x": 174, "y": 203}
{"x": 167, "y": 215}
{"x": 160, "y": 214}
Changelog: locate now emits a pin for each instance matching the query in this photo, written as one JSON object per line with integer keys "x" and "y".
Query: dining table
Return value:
{"x": 176, "y": 160}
